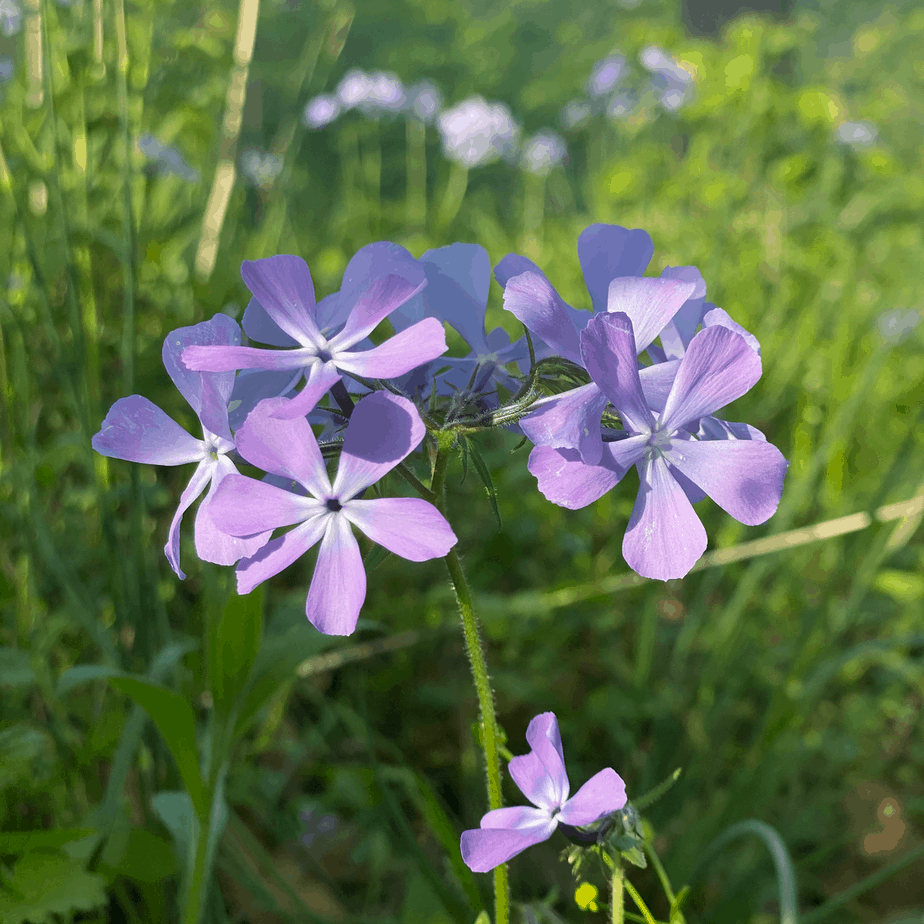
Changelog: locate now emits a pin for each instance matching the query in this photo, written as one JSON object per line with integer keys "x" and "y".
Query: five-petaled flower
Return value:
{"x": 286, "y": 315}
{"x": 744, "y": 477}
{"x": 137, "y": 430}
{"x": 383, "y": 430}
{"x": 542, "y": 778}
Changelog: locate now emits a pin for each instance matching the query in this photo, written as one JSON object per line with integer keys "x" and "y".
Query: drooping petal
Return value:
{"x": 212, "y": 544}
{"x": 283, "y": 446}
{"x": 485, "y": 848}
{"x": 378, "y": 301}
{"x": 718, "y": 316}
{"x": 338, "y": 587}
{"x": 243, "y": 506}
{"x": 208, "y": 394}
{"x": 516, "y": 818}
{"x": 744, "y": 477}
{"x": 717, "y": 367}
{"x": 570, "y": 420}
{"x": 321, "y": 378}
{"x": 408, "y": 526}
{"x": 259, "y": 326}
{"x": 533, "y": 780}
{"x": 279, "y": 553}
{"x": 193, "y": 489}
{"x": 679, "y": 331}
{"x": 656, "y": 382}
{"x": 532, "y": 299}
{"x": 283, "y": 287}
{"x": 383, "y": 429}
{"x": 137, "y": 430}
{"x": 602, "y": 794}
{"x": 609, "y": 354}
{"x": 414, "y": 346}
{"x": 544, "y": 738}
{"x": 609, "y": 251}
{"x": 649, "y": 303}
{"x": 712, "y": 428}
{"x": 665, "y": 536}
{"x": 565, "y": 479}
{"x": 225, "y": 359}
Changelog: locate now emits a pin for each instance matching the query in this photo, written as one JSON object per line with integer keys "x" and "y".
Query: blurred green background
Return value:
{"x": 788, "y": 687}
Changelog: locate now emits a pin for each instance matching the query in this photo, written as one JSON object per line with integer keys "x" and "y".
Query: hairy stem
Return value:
{"x": 617, "y": 903}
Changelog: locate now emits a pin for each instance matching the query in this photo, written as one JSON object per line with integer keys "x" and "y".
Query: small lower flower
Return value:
{"x": 542, "y": 778}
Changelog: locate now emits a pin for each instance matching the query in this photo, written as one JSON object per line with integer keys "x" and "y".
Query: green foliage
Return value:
{"x": 783, "y": 685}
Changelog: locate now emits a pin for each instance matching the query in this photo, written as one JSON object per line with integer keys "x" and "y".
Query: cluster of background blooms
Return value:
{"x": 664, "y": 395}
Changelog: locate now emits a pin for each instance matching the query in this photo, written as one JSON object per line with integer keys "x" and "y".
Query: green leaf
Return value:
{"x": 15, "y": 668}
{"x": 176, "y": 723}
{"x": 375, "y": 556}
{"x": 45, "y": 884}
{"x": 19, "y": 842}
{"x": 487, "y": 481}
{"x": 233, "y": 645}
{"x": 138, "y": 854}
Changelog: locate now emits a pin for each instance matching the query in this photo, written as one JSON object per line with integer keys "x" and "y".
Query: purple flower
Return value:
{"x": 383, "y": 430}
{"x": 137, "y": 430}
{"x": 475, "y": 132}
{"x": 543, "y": 151}
{"x": 321, "y": 111}
{"x": 605, "y": 75}
{"x": 542, "y": 778}
{"x": 284, "y": 314}
{"x": 612, "y": 259}
{"x": 426, "y": 100}
{"x": 743, "y": 476}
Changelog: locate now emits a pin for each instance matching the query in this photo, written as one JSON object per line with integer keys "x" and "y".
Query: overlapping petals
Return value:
{"x": 137, "y": 430}
{"x": 542, "y": 778}
{"x": 383, "y": 429}
{"x": 744, "y": 476}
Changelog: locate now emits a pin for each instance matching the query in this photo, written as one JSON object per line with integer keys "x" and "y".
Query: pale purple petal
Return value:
{"x": 532, "y": 299}
{"x": 408, "y": 526}
{"x": 383, "y": 429}
{"x": 711, "y": 428}
{"x": 259, "y": 326}
{"x": 665, "y": 537}
{"x": 252, "y": 387}
{"x": 516, "y": 818}
{"x": 565, "y": 479}
{"x": 679, "y": 331}
{"x": 211, "y": 543}
{"x": 283, "y": 287}
{"x": 513, "y": 265}
{"x": 137, "y": 430}
{"x": 609, "y": 251}
{"x": 223, "y": 359}
{"x": 338, "y": 587}
{"x": 532, "y": 779}
{"x": 485, "y": 848}
{"x": 458, "y": 279}
{"x": 717, "y": 367}
{"x": 374, "y": 305}
{"x": 570, "y": 420}
{"x": 414, "y": 346}
{"x": 609, "y": 355}
{"x": 744, "y": 477}
{"x": 544, "y": 738}
{"x": 321, "y": 378}
{"x": 602, "y": 794}
{"x": 657, "y": 381}
{"x": 243, "y": 506}
{"x": 649, "y": 303}
{"x": 283, "y": 446}
{"x": 193, "y": 489}
{"x": 207, "y": 394}
{"x": 279, "y": 553}
{"x": 718, "y": 316}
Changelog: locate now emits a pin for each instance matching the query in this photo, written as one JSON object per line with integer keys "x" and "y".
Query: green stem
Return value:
{"x": 490, "y": 736}
{"x": 639, "y": 903}
{"x": 195, "y": 892}
{"x": 617, "y": 903}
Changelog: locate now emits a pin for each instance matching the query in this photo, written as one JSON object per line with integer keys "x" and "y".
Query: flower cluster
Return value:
{"x": 636, "y": 382}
